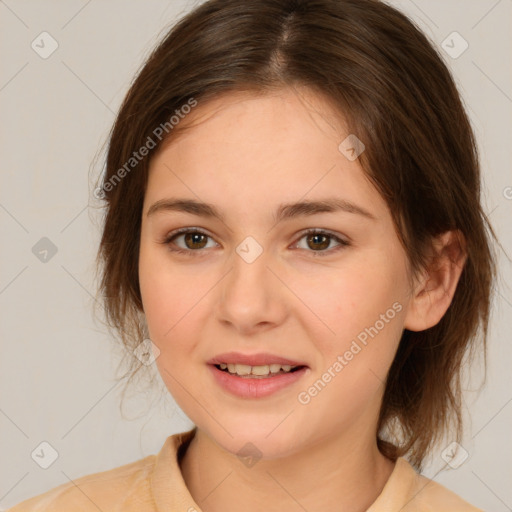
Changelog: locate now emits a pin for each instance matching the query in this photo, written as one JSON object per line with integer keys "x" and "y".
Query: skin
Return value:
{"x": 246, "y": 154}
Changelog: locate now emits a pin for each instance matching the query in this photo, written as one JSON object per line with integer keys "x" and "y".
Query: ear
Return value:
{"x": 434, "y": 290}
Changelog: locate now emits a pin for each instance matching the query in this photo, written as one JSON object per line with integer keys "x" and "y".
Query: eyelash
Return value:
{"x": 190, "y": 252}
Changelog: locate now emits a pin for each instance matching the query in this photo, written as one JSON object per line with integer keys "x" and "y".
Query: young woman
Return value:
{"x": 293, "y": 219}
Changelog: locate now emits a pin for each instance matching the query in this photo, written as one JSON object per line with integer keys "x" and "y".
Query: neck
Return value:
{"x": 342, "y": 473}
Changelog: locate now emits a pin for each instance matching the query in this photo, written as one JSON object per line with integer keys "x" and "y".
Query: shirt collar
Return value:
{"x": 167, "y": 485}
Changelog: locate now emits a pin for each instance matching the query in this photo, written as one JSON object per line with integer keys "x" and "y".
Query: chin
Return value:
{"x": 265, "y": 438}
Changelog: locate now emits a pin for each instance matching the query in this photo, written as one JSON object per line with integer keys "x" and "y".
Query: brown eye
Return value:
{"x": 194, "y": 240}
{"x": 188, "y": 241}
{"x": 318, "y": 241}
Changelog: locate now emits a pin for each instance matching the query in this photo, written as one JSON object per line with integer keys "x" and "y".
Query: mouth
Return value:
{"x": 256, "y": 375}
{"x": 257, "y": 372}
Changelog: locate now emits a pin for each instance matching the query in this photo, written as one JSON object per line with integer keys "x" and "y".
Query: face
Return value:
{"x": 236, "y": 299}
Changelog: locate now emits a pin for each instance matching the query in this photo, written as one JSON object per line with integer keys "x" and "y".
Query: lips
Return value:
{"x": 261, "y": 359}
{"x": 255, "y": 375}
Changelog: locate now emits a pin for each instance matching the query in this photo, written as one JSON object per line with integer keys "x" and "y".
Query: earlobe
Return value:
{"x": 436, "y": 287}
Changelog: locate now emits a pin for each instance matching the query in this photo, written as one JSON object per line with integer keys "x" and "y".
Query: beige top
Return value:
{"x": 155, "y": 484}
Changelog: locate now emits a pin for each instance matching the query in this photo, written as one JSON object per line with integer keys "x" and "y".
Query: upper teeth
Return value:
{"x": 245, "y": 369}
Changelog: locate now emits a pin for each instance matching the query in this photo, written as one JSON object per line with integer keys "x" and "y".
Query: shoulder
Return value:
{"x": 408, "y": 491}
{"x": 430, "y": 496}
{"x": 427, "y": 495}
{"x": 123, "y": 488}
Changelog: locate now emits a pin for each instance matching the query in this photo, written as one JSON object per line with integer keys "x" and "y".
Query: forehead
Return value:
{"x": 272, "y": 117}
{"x": 246, "y": 149}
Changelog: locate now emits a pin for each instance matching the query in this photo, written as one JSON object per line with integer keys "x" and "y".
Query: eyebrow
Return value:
{"x": 284, "y": 211}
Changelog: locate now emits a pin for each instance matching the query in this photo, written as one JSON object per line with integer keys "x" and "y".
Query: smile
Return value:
{"x": 257, "y": 372}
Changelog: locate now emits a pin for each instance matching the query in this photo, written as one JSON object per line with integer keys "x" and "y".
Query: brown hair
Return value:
{"x": 397, "y": 96}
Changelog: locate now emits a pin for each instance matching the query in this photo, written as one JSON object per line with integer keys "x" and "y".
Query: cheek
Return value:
{"x": 351, "y": 298}
{"x": 175, "y": 314}
{"x": 168, "y": 297}
{"x": 170, "y": 302}
{"x": 358, "y": 311}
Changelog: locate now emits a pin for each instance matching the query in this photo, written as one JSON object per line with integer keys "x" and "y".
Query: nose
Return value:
{"x": 251, "y": 298}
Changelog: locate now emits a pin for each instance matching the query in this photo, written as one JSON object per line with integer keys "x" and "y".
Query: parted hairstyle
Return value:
{"x": 396, "y": 94}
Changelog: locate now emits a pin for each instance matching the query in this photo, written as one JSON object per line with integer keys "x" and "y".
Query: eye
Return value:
{"x": 319, "y": 240}
{"x": 193, "y": 240}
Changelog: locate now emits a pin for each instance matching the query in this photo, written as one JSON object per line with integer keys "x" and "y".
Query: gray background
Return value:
{"x": 57, "y": 362}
